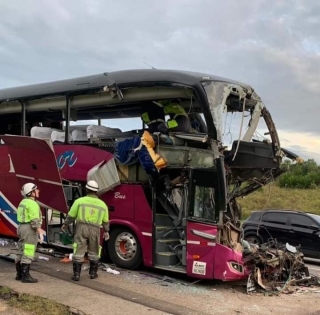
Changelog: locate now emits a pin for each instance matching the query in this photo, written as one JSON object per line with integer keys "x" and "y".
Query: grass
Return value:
{"x": 33, "y": 304}
{"x": 272, "y": 196}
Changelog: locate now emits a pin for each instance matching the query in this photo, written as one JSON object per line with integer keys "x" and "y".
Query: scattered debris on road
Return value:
{"x": 277, "y": 268}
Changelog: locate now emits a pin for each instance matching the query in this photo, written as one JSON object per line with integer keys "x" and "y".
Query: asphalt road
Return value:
{"x": 313, "y": 265}
{"x": 314, "y": 269}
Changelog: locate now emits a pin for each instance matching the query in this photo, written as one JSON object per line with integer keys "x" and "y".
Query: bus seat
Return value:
{"x": 41, "y": 132}
{"x": 59, "y": 136}
{"x": 79, "y": 135}
{"x": 102, "y": 132}
{"x": 77, "y": 127}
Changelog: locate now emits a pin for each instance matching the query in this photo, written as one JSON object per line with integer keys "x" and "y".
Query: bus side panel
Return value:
{"x": 4, "y": 160}
{"x": 10, "y": 198}
{"x": 74, "y": 161}
{"x": 120, "y": 202}
{"x": 128, "y": 207}
{"x": 144, "y": 220}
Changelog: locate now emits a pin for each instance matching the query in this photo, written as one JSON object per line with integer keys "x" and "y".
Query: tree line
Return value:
{"x": 300, "y": 175}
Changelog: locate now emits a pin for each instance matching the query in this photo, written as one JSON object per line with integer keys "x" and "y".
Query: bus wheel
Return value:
{"x": 124, "y": 248}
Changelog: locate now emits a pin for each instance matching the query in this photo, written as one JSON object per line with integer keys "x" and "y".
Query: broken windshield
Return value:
{"x": 217, "y": 94}
{"x": 204, "y": 203}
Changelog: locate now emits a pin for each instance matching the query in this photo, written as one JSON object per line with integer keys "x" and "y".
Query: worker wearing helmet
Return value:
{"x": 90, "y": 212}
{"x": 179, "y": 120}
{"x": 152, "y": 115}
{"x": 30, "y": 220}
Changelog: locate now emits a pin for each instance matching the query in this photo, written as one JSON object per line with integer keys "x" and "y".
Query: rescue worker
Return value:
{"x": 30, "y": 219}
{"x": 90, "y": 212}
{"x": 152, "y": 115}
{"x": 179, "y": 120}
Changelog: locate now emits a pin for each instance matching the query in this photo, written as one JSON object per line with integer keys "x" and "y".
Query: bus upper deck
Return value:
{"x": 120, "y": 95}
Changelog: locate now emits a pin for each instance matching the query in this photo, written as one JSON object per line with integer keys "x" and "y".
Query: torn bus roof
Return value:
{"x": 121, "y": 78}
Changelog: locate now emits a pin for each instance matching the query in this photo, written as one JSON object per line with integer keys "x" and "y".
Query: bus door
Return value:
{"x": 33, "y": 160}
{"x": 202, "y": 219}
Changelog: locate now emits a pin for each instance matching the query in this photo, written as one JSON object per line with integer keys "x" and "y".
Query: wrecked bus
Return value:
{"x": 171, "y": 197}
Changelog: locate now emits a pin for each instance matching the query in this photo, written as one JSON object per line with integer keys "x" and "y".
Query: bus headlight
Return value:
{"x": 236, "y": 266}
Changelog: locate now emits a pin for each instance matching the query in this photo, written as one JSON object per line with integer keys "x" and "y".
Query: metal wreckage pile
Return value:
{"x": 276, "y": 268}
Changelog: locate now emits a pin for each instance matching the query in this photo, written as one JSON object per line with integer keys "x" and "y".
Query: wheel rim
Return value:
{"x": 126, "y": 246}
{"x": 253, "y": 240}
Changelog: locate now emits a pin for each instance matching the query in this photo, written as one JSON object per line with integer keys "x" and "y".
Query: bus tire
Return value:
{"x": 124, "y": 248}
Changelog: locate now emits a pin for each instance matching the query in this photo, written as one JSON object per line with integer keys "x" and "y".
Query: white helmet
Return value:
{"x": 28, "y": 188}
{"x": 92, "y": 185}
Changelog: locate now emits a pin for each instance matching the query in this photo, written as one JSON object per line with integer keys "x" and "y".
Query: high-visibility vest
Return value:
{"x": 28, "y": 210}
{"x": 174, "y": 110}
{"x": 89, "y": 209}
{"x": 152, "y": 112}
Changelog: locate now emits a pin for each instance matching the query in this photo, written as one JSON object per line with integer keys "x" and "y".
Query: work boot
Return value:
{"x": 26, "y": 277}
{"x": 19, "y": 270}
{"x": 93, "y": 269}
{"x": 76, "y": 271}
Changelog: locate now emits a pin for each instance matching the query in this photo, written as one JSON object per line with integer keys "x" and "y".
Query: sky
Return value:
{"x": 272, "y": 45}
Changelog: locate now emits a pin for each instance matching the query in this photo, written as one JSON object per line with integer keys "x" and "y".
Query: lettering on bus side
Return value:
{"x": 118, "y": 195}
{"x": 66, "y": 157}
{"x": 199, "y": 268}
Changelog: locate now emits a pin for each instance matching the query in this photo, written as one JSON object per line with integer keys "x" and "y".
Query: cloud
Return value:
{"x": 273, "y": 46}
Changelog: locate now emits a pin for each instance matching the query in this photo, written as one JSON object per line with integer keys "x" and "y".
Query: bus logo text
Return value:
{"x": 119, "y": 196}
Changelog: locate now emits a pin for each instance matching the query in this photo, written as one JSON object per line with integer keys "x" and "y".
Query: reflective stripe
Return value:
{"x": 146, "y": 119}
{"x": 92, "y": 206}
{"x": 90, "y": 223}
{"x": 175, "y": 116}
{"x": 23, "y": 213}
{"x": 29, "y": 250}
{"x": 172, "y": 123}
{"x": 99, "y": 254}
{"x": 146, "y": 234}
{"x": 75, "y": 246}
{"x": 99, "y": 217}
{"x": 155, "y": 120}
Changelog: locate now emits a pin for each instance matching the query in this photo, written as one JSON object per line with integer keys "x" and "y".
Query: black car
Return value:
{"x": 286, "y": 226}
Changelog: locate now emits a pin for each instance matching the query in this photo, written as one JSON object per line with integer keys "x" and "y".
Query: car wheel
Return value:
{"x": 253, "y": 239}
{"x": 124, "y": 248}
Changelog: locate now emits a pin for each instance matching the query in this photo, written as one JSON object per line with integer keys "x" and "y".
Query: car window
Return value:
{"x": 299, "y": 220}
{"x": 316, "y": 217}
{"x": 275, "y": 217}
{"x": 255, "y": 216}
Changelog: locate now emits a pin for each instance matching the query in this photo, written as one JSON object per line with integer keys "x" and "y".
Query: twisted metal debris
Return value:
{"x": 277, "y": 268}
